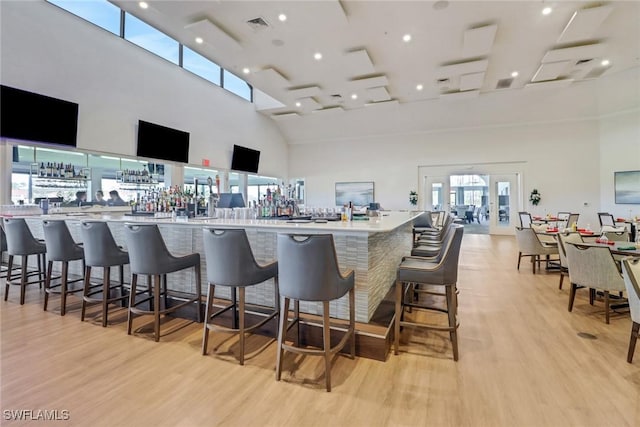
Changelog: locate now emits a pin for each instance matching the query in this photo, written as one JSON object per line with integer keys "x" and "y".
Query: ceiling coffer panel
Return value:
{"x": 369, "y": 82}
{"x": 551, "y": 70}
{"x": 214, "y": 35}
{"x": 285, "y": 116}
{"x": 463, "y": 68}
{"x": 271, "y": 77}
{"x": 305, "y": 92}
{"x": 358, "y": 63}
{"x": 309, "y": 104}
{"x": 460, "y": 95}
{"x": 584, "y": 23}
{"x": 589, "y": 51}
{"x": 378, "y": 94}
{"x": 329, "y": 110}
{"x": 471, "y": 81}
{"x": 552, "y": 84}
{"x": 478, "y": 41}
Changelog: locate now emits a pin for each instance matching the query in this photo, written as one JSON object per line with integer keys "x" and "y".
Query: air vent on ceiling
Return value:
{"x": 583, "y": 61}
{"x": 442, "y": 81}
{"x": 336, "y": 97}
{"x": 504, "y": 83}
{"x": 257, "y": 23}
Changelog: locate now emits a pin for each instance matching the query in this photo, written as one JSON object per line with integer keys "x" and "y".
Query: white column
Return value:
{"x": 242, "y": 186}
{"x": 6, "y": 166}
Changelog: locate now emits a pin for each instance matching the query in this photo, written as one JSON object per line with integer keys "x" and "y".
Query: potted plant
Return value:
{"x": 413, "y": 198}
{"x": 534, "y": 197}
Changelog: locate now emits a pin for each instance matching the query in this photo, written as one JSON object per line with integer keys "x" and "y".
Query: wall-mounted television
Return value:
{"x": 30, "y": 116}
{"x": 161, "y": 142}
{"x": 245, "y": 159}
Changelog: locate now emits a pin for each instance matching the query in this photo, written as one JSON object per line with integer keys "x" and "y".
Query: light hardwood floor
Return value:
{"x": 521, "y": 364}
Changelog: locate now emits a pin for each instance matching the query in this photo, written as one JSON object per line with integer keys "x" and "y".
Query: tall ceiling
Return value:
{"x": 458, "y": 49}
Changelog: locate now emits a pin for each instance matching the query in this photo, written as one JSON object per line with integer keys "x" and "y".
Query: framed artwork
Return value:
{"x": 359, "y": 193}
{"x": 627, "y": 187}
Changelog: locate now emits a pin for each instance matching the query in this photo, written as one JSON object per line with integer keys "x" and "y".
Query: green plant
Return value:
{"x": 534, "y": 197}
{"x": 413, "y": 197}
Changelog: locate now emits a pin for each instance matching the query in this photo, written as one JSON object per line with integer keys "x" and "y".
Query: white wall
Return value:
{"x": 49, "y": 51}
{"x": 561, "y": 160}
{"x": 619, "y": 151}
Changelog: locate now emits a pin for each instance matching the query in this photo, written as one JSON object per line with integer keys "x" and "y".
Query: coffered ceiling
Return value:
{"x": 457, "y": 49}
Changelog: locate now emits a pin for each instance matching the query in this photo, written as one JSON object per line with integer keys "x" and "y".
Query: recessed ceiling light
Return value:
{"x": 282, "y": 17}
{"x": 605, "y": 62}
{"x": 354, "y": 96}
{"x": 298, "y": 104}
{"x": 419, "y": 87}
{"x": 143, "y": 5}
{"x": 514, "y": 74}
{"x": 199, "y": 40}
{"x": 317, "y": 56}
{"x": 245, "y": 70}
{"x": 406, "y": 38}
{"x": 546, "y": 10}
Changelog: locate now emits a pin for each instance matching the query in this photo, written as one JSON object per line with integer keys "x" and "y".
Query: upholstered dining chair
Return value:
{"x": 617, "y": 236}
{"x": 525, "y": 219}
{"x": 563, "y": 238}
{"x": 593, "y": 267}
{"x": 606, "y": 218}
{"x": 529, "y": 245}
{"x": 631, "y": 276}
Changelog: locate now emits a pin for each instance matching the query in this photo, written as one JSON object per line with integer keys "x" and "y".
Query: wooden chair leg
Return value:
{"x": 199, "y": 293}
{"x": 23, "y": 279}
{"x": 132, "y": 302}
{"x": 282, "y": 331}
{"x": 47, "y": 284}
{"x": 63, "y": 288}
{"x": 85, "y": 292}
{"x": 9, "y": 274}
{"x": 396, "y": 326}
{"x": 451, "y": 311}
{"x": 157, "y": 279}
{"x": 592, "y": 295}
{"x": 561, "y": 280}
{"x": 205, "y": 335}
{"x": 241, "y": 291}
{"x": 39, "y": 259}
{"x": 352, "y": 321}
{"x": 122, "y": 302}
{"x": 533, "y": 263}
{"x": 326, "y": 335}
{"x": 572, "y": 295}
{"x": 519, "y": 258}
{"x": 635, "y": 332}
{"x": 606, "y": 306}
{"x": 105, "y": 295}
{"x": 234, "y": 310}
{"x": 296, "y": 318}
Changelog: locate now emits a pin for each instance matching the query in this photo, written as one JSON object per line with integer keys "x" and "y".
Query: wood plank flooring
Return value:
{"x": 521, "y": 364}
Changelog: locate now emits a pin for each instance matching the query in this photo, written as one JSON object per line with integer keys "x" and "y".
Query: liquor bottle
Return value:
{"x": 43, "y": 170}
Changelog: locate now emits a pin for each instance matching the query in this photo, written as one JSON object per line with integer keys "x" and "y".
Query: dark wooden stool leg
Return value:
{"x": 47, "y": 284}
{"x": 156, "y": 310}
{"x": 635, "y": 333}
{"x": 234, "y": 310}
{"x": 9, "y": 275}
{"x": 282, "y": 332}
{"x": 241, "y": 326}
{"x": 132, "y": 302}
{"x": 352, "y": 320}
{"x": 572, "y": 295}
{"x": 85, "y": 292}
{"x": 199, "y": 293}
{"x": 451, "y": 311}
{"x": 396, "y": 326}
{"x": 606, "y": 306}
{"x": 205, "y": 335}
{"x": 296, "y": 319}
{"x": 39, "y": 270}
{"x": 105, "y": 294}
{"x": 326, "y": 339}
{"x": 122, "y": 301}
{"x": 63, "y": 288}
{"x": 23, "y": 280}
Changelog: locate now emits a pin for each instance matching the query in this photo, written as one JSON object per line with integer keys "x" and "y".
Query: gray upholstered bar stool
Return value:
{"x": 230, "y": 262}
{"x": 101, "y": 250}
{"x": 421, "y": 272}
{"x": 4, "y": 271}
{"x": 148, "y": 255}
{"x": 308, "y": 270}
{"x": 20, "y": 242}
{"x": 60, "y": 247}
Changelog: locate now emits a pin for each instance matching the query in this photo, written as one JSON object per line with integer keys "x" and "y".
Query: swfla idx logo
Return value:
{"x": 36, "y": 414}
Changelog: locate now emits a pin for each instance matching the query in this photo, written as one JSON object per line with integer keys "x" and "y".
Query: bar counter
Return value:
{"x": 373, "y": 249}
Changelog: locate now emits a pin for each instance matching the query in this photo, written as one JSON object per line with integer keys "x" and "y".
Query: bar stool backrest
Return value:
{"x": 20, "y": 241}
{"x": 60, "y": 243}
{"x": 308, "y": 268}
{"x": 3, "y": 240}
{"x": 147, "y": 249}
{"x": 230, "y": 261}
{"x": 100, "y": 248}
{"x": 423, "y": 220}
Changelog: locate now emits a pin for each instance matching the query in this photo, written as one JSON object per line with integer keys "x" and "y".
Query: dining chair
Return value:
{"x": 563, "y": 238}
{"x": 606, "y": 218}
{"x": 631, "y": 276}
{"x": 617, "y": 236}
{"x": 573, "y": 219}
{"x": 529, "y": 245}
{"x": 593, "y": 267}
{"x": 525, "y": 219}
{"x": 562, "y": 219}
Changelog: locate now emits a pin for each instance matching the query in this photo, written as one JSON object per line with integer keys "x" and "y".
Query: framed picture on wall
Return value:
{"x": 627, "y": 187}
{"x": 359, "y": 193}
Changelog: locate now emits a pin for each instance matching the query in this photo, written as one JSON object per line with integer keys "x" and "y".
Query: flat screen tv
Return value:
{"x": 231, "y": 200}
{"x": 161, "y": 142}
{"x": 30, "y": 116}
{"x": 245, "y": 159}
